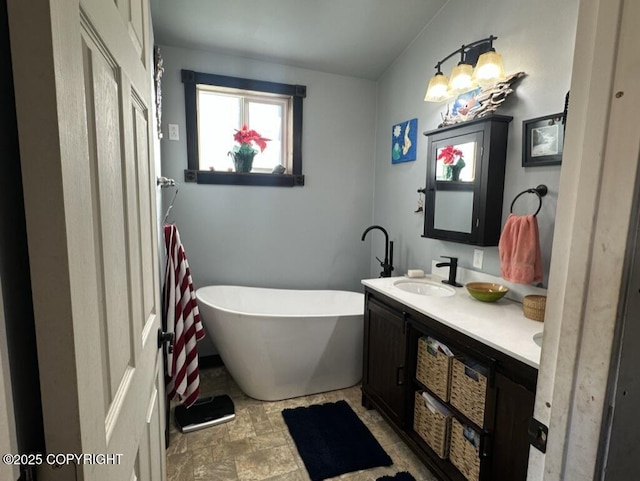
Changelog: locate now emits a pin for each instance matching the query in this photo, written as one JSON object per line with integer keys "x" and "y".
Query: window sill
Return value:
{"x": 234, "y": 178}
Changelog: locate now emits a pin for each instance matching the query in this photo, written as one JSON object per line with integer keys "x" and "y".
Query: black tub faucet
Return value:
{"x": 387, "y": 263}
{"x": 453, "y": 269}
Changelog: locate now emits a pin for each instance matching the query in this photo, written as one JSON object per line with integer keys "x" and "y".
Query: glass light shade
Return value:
{"x": 437, "y": 90}
{"x": 489, "y": 68}
{"x": 461, "y": 79}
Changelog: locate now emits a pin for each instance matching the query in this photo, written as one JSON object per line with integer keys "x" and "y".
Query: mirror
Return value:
{"x": 453, "y": 211}
{"x": 454, "y": 175}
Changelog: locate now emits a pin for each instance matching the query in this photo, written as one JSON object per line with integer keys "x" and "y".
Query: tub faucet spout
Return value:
{"x": 387, "y": 263}
{"x": 453, "y": 268}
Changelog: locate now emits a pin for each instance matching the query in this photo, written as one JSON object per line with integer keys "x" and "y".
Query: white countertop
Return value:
{"x": 500, "y": 325}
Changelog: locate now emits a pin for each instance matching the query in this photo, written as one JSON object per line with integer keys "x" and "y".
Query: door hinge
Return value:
{"x": 538, "y": 434}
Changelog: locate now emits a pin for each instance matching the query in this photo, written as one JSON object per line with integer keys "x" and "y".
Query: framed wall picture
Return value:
{"x": 404, "y": 141}
{"x": 543, "y": 140}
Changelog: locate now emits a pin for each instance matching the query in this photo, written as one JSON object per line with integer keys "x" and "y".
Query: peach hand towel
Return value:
{"x": 519, "y": 249}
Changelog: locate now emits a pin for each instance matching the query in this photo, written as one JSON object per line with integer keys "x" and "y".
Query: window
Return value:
{"x": 221, "y": 111}
{"x": 217, "y": 105}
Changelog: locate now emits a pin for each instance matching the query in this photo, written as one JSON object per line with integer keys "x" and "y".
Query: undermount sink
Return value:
{"x": 424, "y": 288}
{"x": 537, "y": 338}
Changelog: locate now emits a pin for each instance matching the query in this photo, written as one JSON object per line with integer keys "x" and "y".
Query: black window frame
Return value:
{"x": 193, "y": 173}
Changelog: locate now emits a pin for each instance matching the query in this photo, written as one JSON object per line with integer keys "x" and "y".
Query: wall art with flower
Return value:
{"x": 404, "y": 141}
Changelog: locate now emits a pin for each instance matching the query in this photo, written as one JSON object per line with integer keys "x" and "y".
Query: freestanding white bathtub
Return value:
{"x": 279, "y": 343}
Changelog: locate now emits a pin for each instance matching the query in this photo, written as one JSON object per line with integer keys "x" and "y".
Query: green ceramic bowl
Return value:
{"x": 486, "y": 291}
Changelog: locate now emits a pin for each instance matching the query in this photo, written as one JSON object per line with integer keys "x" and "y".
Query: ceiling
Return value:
{"x": 358, "y": 38}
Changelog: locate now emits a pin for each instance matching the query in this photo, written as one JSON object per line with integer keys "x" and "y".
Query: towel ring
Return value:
{"x": 540, "y": 191}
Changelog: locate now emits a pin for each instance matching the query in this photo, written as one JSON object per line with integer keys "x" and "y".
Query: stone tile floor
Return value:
{"x": 256, "y": 445}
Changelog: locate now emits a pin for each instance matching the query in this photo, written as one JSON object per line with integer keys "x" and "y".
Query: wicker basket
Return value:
{"x": 432, "y": 426}
{"x": 468, "y": 391}
{"x": 534, "y": 306}
{"x": 463, "y": 454}
{"x": 434, "y": 370}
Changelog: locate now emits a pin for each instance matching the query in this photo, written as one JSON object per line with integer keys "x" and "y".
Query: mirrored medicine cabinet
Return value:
{"x": 465, "y": 181}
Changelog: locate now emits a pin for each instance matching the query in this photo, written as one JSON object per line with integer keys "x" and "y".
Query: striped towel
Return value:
{"x": 183, "y": 319}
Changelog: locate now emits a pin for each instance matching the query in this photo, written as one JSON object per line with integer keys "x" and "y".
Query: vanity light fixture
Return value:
{"x": 438, "y": 89}
{"x": 479, "y": 54}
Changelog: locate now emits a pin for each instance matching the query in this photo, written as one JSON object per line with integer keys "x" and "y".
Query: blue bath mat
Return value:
{"x": 403, "y": 476}
{"x": 332, "y": 440}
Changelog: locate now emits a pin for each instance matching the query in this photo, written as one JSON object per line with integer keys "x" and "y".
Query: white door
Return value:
{"x": 83, "y": 78}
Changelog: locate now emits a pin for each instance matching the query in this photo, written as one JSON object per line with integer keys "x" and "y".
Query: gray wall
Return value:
{"x": 300, "y": 237}
{"x": 534, "y": 37}
{"x": 309, "y": 237}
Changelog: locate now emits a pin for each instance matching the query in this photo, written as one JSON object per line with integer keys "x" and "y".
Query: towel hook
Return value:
{"x": 165, "y": 182}
{"x": 540, "y": 191}
{"x": 166, "y": 214}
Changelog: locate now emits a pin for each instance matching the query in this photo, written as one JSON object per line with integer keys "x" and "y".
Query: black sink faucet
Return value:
{"x": 453, "y": 269}
{"x": 387, "y": 263}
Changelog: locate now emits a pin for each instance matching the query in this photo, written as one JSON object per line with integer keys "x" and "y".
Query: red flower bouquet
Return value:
{"x": 244, "y": 153}
{"x": 448, "y": 155}
{"x": 246, "y": 137}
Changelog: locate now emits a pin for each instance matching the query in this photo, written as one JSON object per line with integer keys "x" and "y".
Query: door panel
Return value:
{"x": 89, "y": 183}
{"x": 384, "y": 370}
{"x": 132, "y": 14}
{"x": 146, "y": 208}
{"x": 510, "y": 440}
{"x": 105, "y": 157}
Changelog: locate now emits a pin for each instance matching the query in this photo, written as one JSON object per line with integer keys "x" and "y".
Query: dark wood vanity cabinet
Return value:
{"x": 513, "y": 409}
{"x": 384, "y": 377}
{"x": 392, "y": 331}
{"x": 465, "y": 181}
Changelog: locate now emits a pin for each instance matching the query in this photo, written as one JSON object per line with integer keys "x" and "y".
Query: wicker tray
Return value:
{"x": 433, "y": 427}
{"x": 533, "y": 307}
{"x": 434, "y": 370}
{"x": 463, "y": 454}
{"x": 468, "y": 391}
